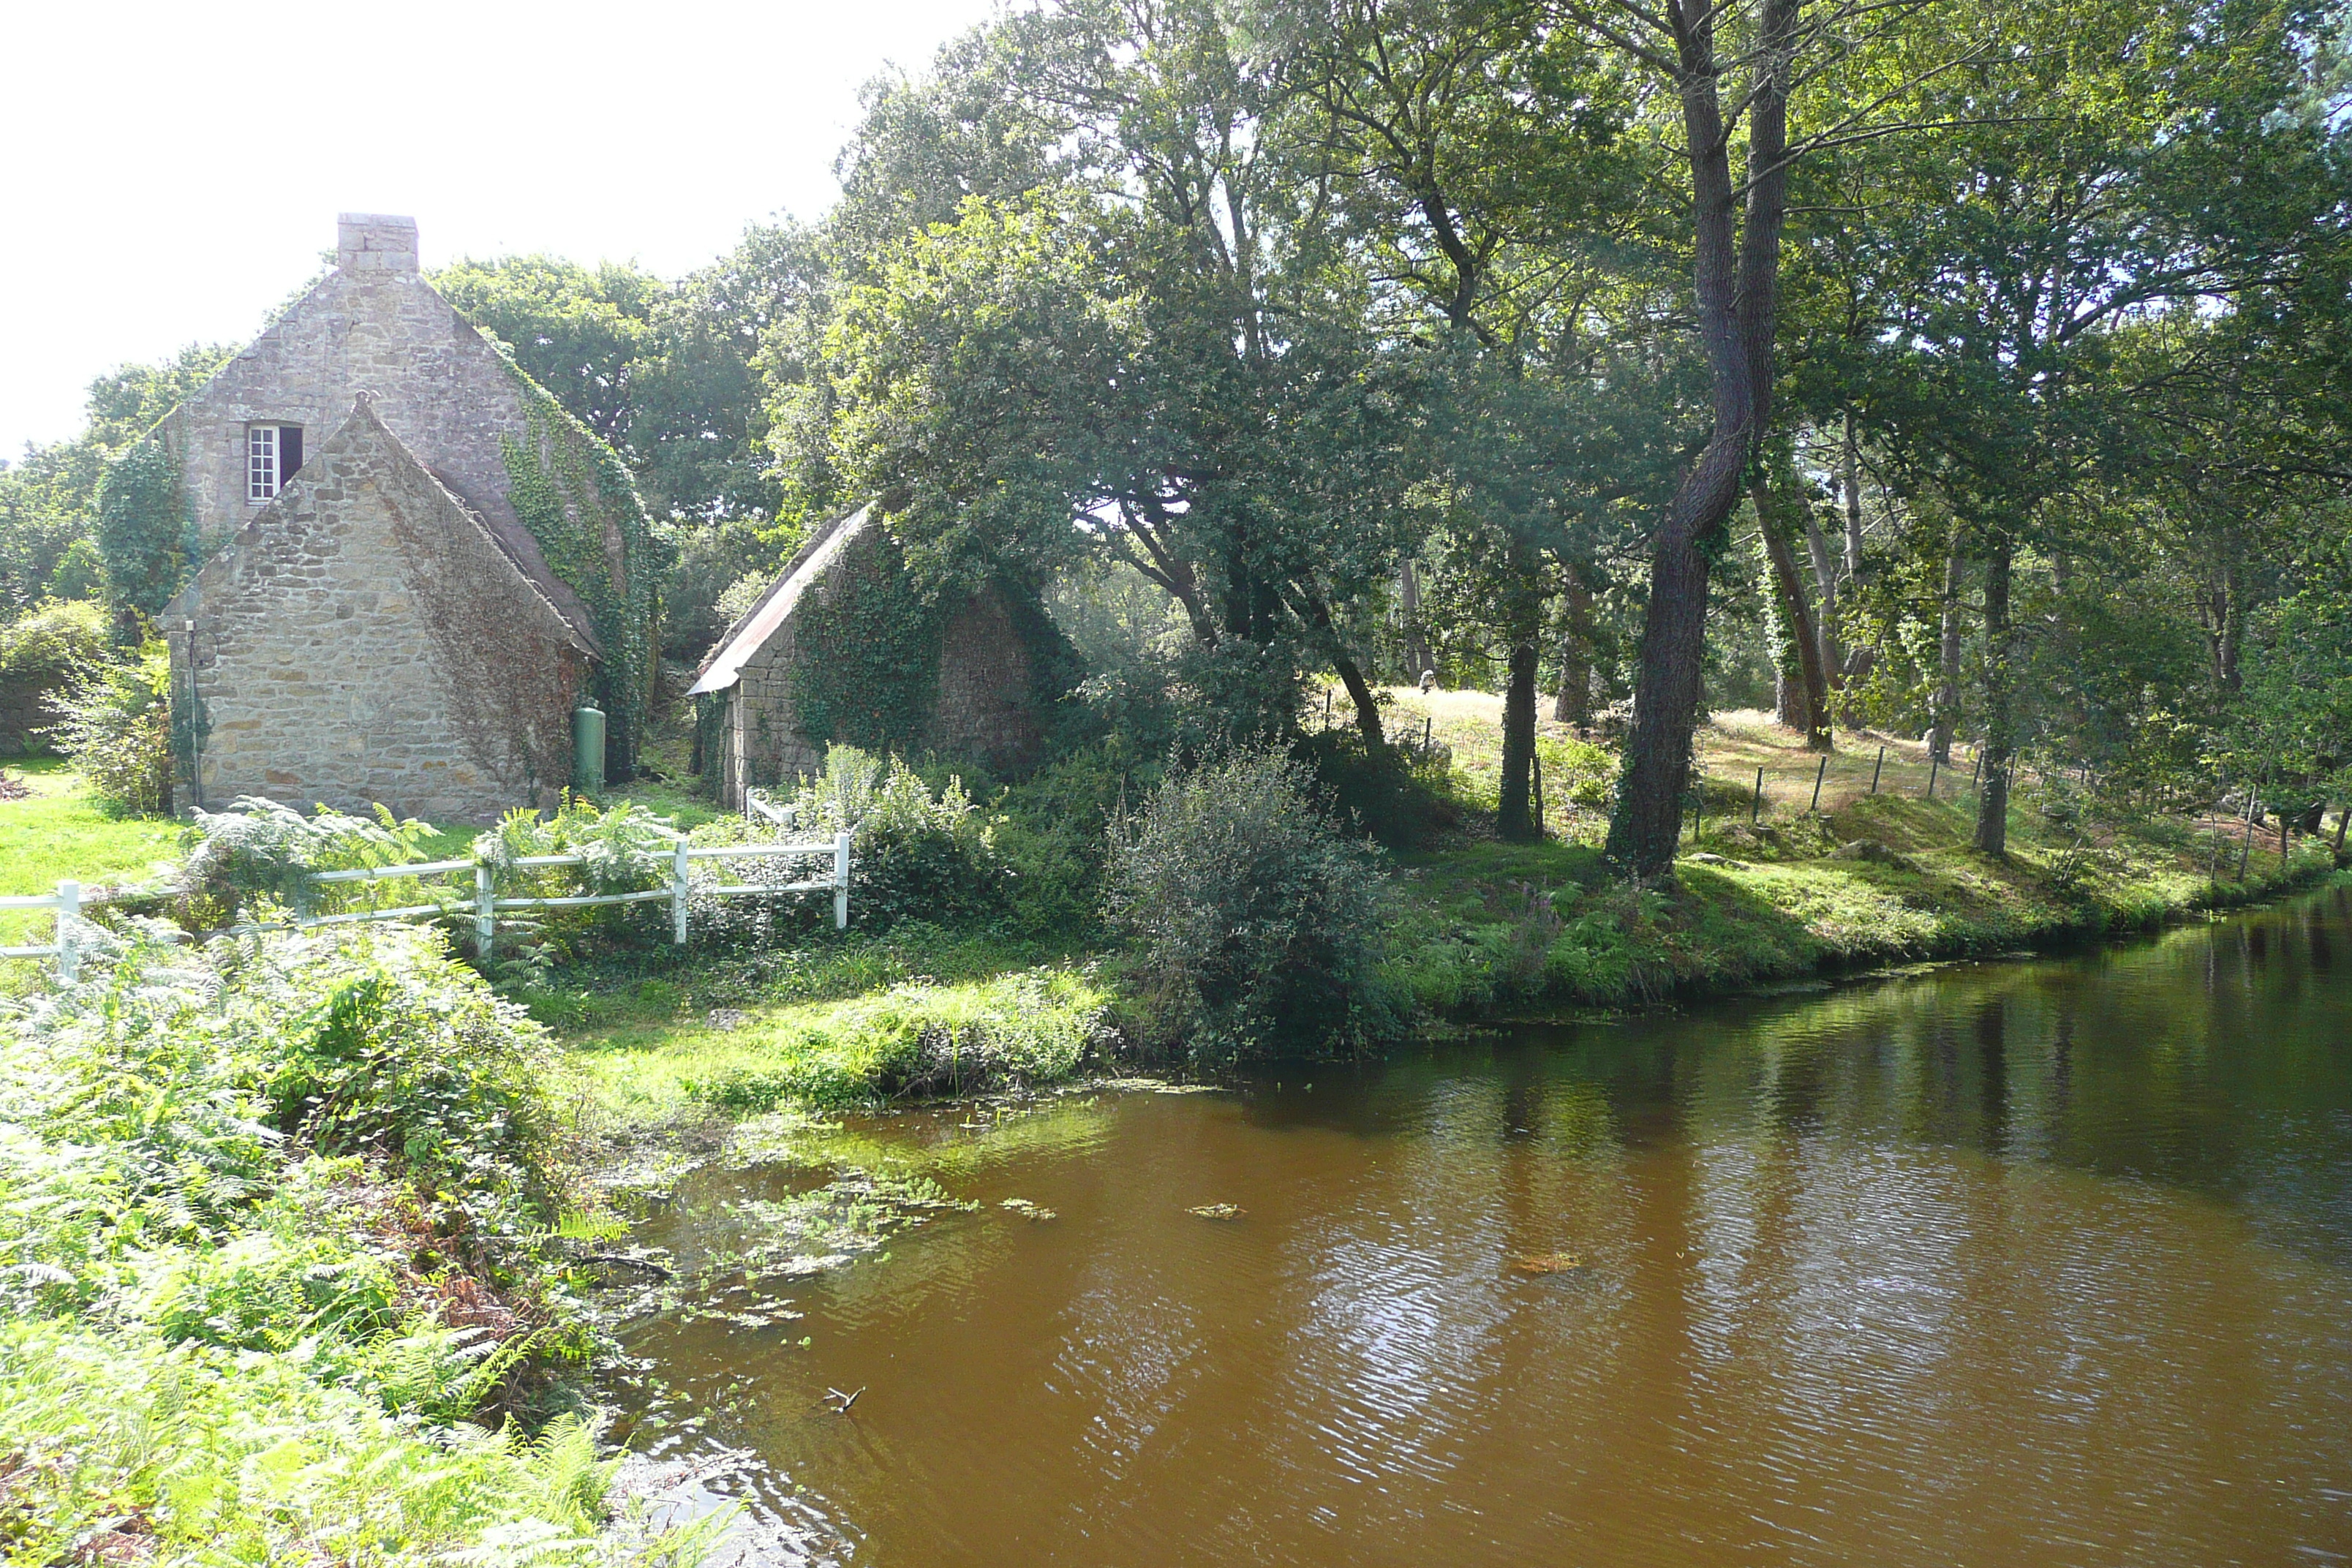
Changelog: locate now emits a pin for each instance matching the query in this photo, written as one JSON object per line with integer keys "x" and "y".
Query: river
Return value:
{"x": 2021, "y": 1262}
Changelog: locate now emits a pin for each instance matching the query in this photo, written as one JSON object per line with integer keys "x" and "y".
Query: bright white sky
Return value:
{"x": 172, "y": 171}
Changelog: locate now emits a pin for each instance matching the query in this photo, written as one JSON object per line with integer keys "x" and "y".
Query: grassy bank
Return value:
{"x": 1870, "y": 877}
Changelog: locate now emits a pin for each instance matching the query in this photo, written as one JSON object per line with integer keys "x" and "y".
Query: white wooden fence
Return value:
{"x": 68, "y": 902}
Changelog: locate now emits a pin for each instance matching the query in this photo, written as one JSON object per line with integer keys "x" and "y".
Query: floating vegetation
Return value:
{"x": 1218, "y": 1211}
{"x": 1028, "y": 1210}
{"x": 834, "y": 1224}
{"x": 1145, "y": 1086}
{"x": 1548, "y": 1263}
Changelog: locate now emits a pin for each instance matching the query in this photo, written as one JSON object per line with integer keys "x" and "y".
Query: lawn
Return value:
{"x": 61, "y": 834}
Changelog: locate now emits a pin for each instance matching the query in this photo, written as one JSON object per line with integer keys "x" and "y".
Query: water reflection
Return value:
{"x": 1996, "y": 1264}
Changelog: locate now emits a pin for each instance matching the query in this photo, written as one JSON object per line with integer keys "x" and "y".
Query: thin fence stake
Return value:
{"x": 677, "y": 893}
{"x": 1426, "y": 724}
{"x": 68, "y": 912}
{"x": 486, "y": 919}
{"x": 1878, "y": 768}
{"x": 1933, "y": 763}
{"x": 1756, "y": 802}
{"x": 1977, "y": 773}
{"x": 1819, "y": 774}
{"x": 841, "y": 879}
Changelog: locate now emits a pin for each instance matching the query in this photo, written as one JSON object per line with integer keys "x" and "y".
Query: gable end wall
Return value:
{"x": 363, "y": 640}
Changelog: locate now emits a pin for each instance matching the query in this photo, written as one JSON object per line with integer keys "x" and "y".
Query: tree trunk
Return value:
{"x": 1416, "y": 641}
{"x": 1516, "y": 823}
{"x": 1810, "y": 714}
{"x": 1825, "y": 595}
{"x": 1574, "y": 704}
{"x": 1736, "y": 274}
{"x": 1999, "y": 743}
{"x": 1947, "y": 682}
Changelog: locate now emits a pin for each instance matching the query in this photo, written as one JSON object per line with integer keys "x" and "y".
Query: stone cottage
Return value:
{"x": 841, "y": 647}
{"x": 415, "y": 562}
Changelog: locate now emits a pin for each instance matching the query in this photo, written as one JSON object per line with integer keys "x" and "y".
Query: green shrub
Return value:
{"x": 916, "y": 854}
{"x": 117, "y": 728}
{"x": 263, "y": 849}
{"x": 56, "y": 637}
{"x": 1257, "y": 925}
{"x": 218, "y": 1344}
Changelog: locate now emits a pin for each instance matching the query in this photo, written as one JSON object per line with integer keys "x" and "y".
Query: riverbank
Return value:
{"x": 1880, "y": 875}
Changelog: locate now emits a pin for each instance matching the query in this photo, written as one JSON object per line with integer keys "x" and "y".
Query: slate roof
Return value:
{"x": 724, "y": 664}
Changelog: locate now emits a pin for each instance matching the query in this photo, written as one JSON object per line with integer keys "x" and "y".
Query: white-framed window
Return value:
{"x": 273, "y": 453}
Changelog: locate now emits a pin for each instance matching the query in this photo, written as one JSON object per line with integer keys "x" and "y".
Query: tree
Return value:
{"x": 1736, "y": 234}
{"x": 580, "y": 332}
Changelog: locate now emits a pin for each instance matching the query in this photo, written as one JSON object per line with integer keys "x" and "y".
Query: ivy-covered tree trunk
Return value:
{"x": 1807, "y": 706}
{"x": 1515, "y": 821}
{"x": 1574, "y": 703}
{"x": 2001, "y": 720}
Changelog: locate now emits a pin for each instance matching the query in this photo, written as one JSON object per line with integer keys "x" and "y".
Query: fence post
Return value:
{"x": 841, "y": 882}
{"x": 1756, "y": 801}
{"x": 677, "y": 893}
{"x": 484, "y": 913}
{"x": 68, "y": 912}
{"x": 1934, "y": 762}
{"x": 1878, "y": 768}
{"x": 1818, "y": 773}
{"x": 1976, "y": 774}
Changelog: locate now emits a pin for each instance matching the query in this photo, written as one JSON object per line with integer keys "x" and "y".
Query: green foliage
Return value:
{"x": 146, "y": 530}
{"x": 53, "y": 638}
{"x": 262, "y": 848}
{"x": 568, "y": 487}
{"x": 389, "y": 1048}
{"x": 626, "y": 847}
{"x": 1258, "y": 926}
{"x": 1019, "y": 1029}
{"x": 116, "y": 726}
{"x": 864, "y": 670}
{"x": 578, "y": 330}
{"x": 917, "y": 855}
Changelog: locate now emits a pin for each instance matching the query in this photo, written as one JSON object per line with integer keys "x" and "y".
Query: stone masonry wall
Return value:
{"x": 363, "y": 639}
{"x": 985, "y": 705}
{"x": 371, "y": 325}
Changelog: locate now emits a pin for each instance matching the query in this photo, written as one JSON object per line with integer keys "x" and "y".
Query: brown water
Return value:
{"x": 2012, "y": 1263}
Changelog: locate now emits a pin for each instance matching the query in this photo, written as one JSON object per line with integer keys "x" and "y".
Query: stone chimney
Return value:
{"x": 370, "y": 242}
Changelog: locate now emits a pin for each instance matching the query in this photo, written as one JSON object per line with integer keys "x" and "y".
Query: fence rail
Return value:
{"x": 69, "y": 901}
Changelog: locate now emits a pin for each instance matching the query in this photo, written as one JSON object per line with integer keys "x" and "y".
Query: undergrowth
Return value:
{"x": 277, "y": 1273}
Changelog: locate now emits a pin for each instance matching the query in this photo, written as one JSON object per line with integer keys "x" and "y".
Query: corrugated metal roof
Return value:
{"x": 724, "y": 664}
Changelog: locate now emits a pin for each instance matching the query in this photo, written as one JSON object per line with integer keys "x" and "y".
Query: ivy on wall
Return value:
{"x": 567, "y": 487}
{"x": 866, "y": 659}
{"x": 146, "y": 530}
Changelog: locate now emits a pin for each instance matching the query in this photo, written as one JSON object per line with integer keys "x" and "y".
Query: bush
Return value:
{"x": 261, "y": 848}
{"x": 916, "y": 856}
{"x": 218, "y": 1342}
{"x": 117, "y": 729}
{"x": 55, "y": 638}
{"x": 1258, "y": 926}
